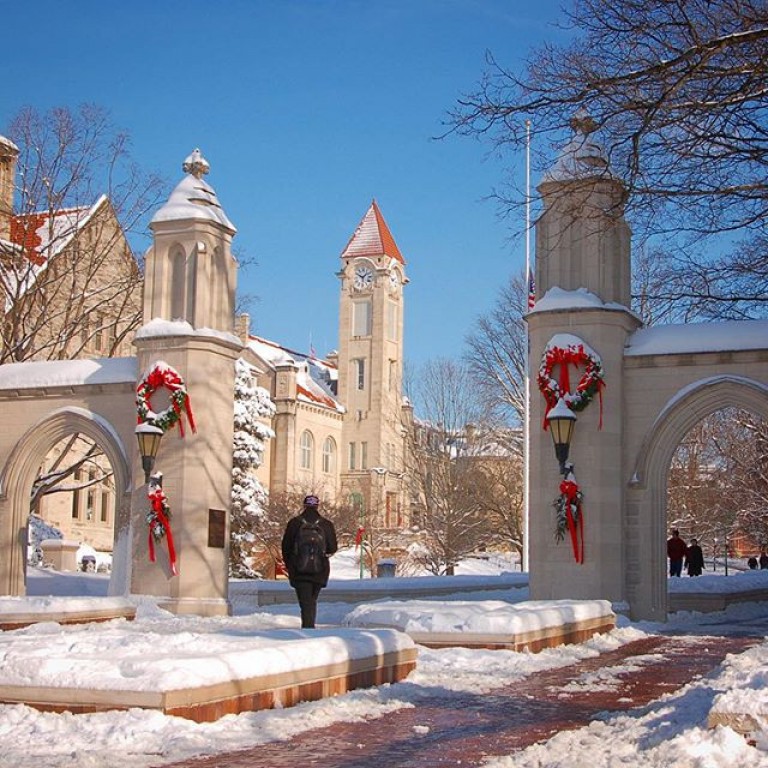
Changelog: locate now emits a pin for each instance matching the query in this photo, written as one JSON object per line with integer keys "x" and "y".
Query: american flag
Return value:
{"x": 531, "y": 290}
{"x": 312, "y": 353}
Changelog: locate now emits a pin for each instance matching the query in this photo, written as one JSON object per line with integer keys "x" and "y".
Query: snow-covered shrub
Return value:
{"x": 253, "y": 411}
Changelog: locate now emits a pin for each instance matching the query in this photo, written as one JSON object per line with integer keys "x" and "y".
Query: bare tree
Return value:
{"x": 677, "y": 89}
{"x": 443, "y": 465}
{"x": 718, "y": 480}
{"x": 496, "y": 354}
{"x": 70, "y": 283}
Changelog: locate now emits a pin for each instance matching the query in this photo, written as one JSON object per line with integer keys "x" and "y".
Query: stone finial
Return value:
{"x": 196, "y": 165}
{"x": 582, "y": 122}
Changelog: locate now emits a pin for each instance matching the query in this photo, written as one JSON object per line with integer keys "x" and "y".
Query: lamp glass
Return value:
{"x": 148, "y": 437}
{"x": 561, "y": 423}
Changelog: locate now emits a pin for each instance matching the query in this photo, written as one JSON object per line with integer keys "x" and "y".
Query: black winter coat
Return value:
{"x": 289, "y": 538}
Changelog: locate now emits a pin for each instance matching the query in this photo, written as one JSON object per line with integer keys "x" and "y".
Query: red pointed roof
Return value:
{"x": 372, "y": 238}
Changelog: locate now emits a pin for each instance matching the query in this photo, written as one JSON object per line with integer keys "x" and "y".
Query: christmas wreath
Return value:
{"x": 564, "y": 350}
{"x": 159, "y": 520}
{"x": 570, "y": 517}
{"x": 163, "y": 376}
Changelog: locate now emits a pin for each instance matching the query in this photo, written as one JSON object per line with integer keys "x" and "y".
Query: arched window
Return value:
{"x": 329, "y": 456}
{"x": 178, "y": 284}
{"x": 306, "y": 448}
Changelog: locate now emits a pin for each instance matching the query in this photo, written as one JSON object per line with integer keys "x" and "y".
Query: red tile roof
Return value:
{"x": 372, "y": 238}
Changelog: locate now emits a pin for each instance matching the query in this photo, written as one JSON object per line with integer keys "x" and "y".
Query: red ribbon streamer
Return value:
{"x": 570, "y": 490}
{"x": 157, "y": 499}
{"x": 359, "y": 536}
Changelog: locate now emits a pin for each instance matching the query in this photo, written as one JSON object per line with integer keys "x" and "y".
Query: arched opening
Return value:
{"x": 79, "y": 454}
{"x": 647, "y": 530}
{"x": 717, "y": 491}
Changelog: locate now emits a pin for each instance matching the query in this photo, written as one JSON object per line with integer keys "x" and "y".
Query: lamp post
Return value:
{"x": 148, "y": 436}
{"x": 561, "y": 424}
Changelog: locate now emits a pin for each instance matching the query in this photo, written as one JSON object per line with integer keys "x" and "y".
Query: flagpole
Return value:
{"x": 527, "y": 420}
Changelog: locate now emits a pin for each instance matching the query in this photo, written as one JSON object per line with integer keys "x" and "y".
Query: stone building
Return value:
{"x": 339, "y": 425}
{"x": 71, "y": 289}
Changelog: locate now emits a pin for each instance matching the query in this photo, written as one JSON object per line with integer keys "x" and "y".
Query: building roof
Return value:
{"x": 44, "y": 234}
{"x": 372, "y": 238}
{"x": 315, "y": 378}
{"x": 40, "y": 236}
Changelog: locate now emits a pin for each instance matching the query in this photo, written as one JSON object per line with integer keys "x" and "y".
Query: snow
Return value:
{"x": 67, "y": 373}
{"x": 193, "y": 199}
{"x": 160, "y": 649}
{"x": 683, "y": 338}
{"x": 699, "y": 337}
{"x": 159, "y": 327}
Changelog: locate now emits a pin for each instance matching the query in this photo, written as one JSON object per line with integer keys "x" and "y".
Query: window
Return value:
{"x": 391, "y": 321}
{"x": 105, "y": 506}
{"x": 393, "y": 374}
{"x": 76, "y": 496}
{"x": 329, "y": 455}
{"x": 351, "y": 455}
{"x": 358, "y": 366}
{"x": 363, "y": 455}
{"x": 178, "y": 283}
{"x": 306, "y": 445}
{"x": 97, "y": 332}
{"x": 361, "y": 321}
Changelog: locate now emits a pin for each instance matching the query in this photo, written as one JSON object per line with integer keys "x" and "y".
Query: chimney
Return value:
{"x": 8, "y": 154}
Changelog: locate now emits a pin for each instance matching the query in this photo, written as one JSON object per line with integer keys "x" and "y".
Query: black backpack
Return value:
{"x": 309, "y": 548}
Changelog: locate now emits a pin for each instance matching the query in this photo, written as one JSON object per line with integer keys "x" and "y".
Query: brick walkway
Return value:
{"x": 461, "y": 728}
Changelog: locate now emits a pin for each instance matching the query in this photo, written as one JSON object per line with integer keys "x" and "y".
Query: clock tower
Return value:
{"x": 371, "y": 372}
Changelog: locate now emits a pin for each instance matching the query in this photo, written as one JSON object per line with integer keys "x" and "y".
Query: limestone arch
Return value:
{"x": 21, "y": 467}
{"x": 649, "y": 477}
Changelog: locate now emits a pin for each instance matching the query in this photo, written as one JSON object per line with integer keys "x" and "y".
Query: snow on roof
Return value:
{"x": 67, "y": 373}
{"x": 193, "y": 198}
{"x": 7, "y": 144}
{"x": 314, "y": 378}
{"x": 698, "y": 337}
{"x": 40, "y": 236}
{"x": 43, "y": 234}
{"x": 582, "y": 157}
{"x": 559, "y": 298}
{"x": 372, "y": 238}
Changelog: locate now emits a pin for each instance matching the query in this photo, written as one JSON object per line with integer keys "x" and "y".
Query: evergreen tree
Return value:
{"x": 253, "y": 411}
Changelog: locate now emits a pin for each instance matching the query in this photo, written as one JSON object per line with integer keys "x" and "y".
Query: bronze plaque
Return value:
{"x": 217, "y": 528}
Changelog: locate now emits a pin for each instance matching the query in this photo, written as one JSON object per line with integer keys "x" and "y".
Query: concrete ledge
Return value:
{"x": 17, "y": 619}
{"x": 211, "y": 702}
{"x": 534, "y": 641}
{"x": 710, "y": 602}
{"x": 408, "y": 588}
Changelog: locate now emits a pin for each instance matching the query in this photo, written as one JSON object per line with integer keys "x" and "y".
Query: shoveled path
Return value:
{"x": 448, "y": 729}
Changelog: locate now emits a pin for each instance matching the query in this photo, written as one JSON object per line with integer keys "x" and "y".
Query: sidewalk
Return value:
{"x": 448, "y": 729}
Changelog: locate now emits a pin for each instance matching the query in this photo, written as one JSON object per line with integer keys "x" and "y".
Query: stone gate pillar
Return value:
{"x": 189, "y": 290}
{"x": 583, "y": 281}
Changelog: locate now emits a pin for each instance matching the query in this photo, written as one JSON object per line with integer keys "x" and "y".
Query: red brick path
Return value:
{"x": 466, "y": 728}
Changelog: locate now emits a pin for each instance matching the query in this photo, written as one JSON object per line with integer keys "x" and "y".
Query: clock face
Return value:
{"x": 363, "y": 279}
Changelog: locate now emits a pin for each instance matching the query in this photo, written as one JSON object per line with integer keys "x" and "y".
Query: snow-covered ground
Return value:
{"x": 669, "y": 732}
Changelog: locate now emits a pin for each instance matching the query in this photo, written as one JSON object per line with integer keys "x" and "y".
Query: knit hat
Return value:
{"x": 311, "y": 501}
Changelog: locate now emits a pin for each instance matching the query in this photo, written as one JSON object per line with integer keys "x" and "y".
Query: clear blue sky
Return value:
{"x": 306, "y": 111}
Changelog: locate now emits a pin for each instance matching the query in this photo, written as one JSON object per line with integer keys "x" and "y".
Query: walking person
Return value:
{"x": 308, "y": 541}
{"x": 763, "y": 559}
{"x": 676, "y": 550}
{"x": 694, "y": 559}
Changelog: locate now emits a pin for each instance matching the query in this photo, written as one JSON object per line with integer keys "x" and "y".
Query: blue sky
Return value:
{"x": 306, "y": 111}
